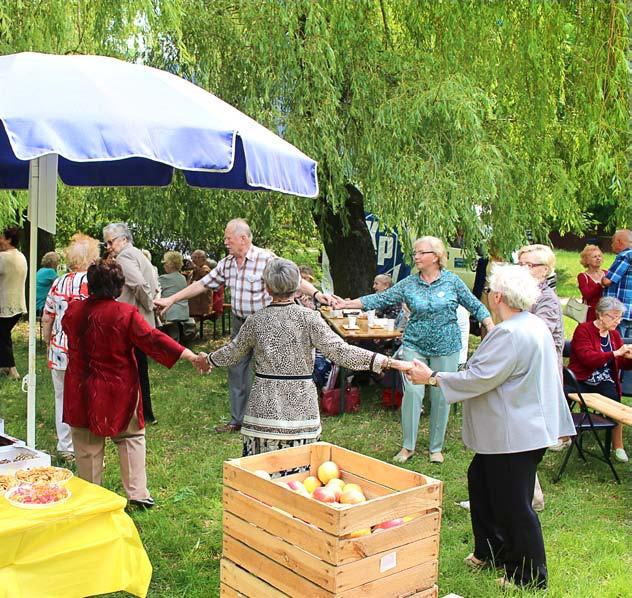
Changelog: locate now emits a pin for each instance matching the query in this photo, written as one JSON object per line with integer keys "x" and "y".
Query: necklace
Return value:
{"x": 595, "y": 276}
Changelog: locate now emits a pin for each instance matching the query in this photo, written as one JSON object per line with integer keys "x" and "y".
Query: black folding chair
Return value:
{"x": 586, "y": 423}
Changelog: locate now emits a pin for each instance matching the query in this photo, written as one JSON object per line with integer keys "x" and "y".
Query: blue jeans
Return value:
{"x": 413, "y": 400}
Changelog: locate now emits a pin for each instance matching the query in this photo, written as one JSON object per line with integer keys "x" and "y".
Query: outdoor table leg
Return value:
{"x": 343, "y": 383}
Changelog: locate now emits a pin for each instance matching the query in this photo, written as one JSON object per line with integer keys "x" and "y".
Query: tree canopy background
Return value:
{"x": 472, "y": 119}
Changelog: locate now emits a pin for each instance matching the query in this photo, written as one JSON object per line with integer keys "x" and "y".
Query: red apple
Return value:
{"x": 389, "y": 524}
{"x": 324, "y": 494}
{"x": 327, "y": 471}
{"x": 352, "y": 497}
{"x": 336, "y": 484}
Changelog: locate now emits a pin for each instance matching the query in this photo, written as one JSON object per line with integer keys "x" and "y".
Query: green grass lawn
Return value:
{"x": 587, "y": 522}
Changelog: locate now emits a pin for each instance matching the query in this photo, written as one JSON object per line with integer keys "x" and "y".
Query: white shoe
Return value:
{"x": 436, "y": 458}
{"x": 464, "y": 504}
{"x": 620, "y": 455}
{"x": 403, "y": 456}
{"x": 561, "y": 445}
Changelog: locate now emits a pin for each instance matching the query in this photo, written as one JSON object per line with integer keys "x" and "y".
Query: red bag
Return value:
{"x": 330, "y": 400}
{"x": 390, "y": 399}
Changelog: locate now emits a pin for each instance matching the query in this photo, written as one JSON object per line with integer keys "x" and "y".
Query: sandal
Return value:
{"x": 401, "y": 457}
{"x": 473, "y": 563}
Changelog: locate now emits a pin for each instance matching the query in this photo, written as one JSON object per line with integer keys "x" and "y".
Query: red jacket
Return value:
{"x": 101, "y": 387}
{"x": 587, "y": 356}
{"x": 591, "y": 293}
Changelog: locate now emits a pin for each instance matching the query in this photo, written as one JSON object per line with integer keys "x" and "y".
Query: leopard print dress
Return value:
{"x": 283, "y": 403}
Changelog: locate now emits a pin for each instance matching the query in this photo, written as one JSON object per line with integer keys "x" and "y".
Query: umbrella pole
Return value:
{"x": 30, "y": 380}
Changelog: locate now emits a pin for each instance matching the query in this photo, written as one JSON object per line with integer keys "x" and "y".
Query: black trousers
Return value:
{"x": 145, "y": 390}
{"x": 6, "y": 343}
{"x": 506, "y": 528}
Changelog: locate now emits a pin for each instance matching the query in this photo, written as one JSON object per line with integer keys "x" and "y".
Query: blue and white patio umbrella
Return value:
{"x": 99, "y": 121}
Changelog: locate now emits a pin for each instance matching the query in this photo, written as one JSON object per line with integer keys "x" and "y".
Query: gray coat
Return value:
{"x": 141, "y": 283}
{"x": 516, "y": 401}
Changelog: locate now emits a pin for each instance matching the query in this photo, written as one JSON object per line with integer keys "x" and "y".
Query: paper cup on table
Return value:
{"x": 351, "y": 321}
{"x": 336, "y": 313}
{"x": 389, "y": 325}
{"x": 370, "y": 318}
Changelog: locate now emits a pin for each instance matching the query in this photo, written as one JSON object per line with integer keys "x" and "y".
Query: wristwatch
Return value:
{"x": 433, "y": 379}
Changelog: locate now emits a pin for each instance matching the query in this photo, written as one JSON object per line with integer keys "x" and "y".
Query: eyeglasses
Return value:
{"x": 421, "y": 252}
{"x": 530, "y": 266}
{"x": 110, "y": 242}
{"x": 611, "y": 317}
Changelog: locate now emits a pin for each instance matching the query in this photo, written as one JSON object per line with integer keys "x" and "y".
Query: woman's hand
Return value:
{"x": 402, "y": 366}
{"x": 199, "y": 362}
{"x": 419, "y": 373}
{"x": 623, "y": 351}
{"x": 163, "y": 304}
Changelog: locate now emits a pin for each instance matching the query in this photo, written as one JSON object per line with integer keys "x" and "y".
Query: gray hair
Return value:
{"x": 384, "y": 278}
{"x": 518, "y": 288}
{"x": 240, "y": 227}
{"x": 609, "y": 304}
{"x": 437, "y": 247}
{"x": 118, "y": 229}
{"x": 282, "y": 277}
{"x": 50, "y": 260}
{"x": 543, "y": 253}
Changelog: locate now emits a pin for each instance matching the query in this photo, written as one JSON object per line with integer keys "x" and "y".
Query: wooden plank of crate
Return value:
{"x": 289, "y": 458}
{"x": 270, "y": 571}
{"x": 432, "y": 592}
{"x": 399, "y": 585}
{"x": 370, "y": 489}
{"x": 242, "y": 583}
{"x": 385, "y": 508}
{"x": 419, "y": 577}
{"x": 228, "y": 592}
{"x": 386, "y": 563}
{"x": 314, "y": 541}
{"x": 307, "y": 509}
{"x": 284, "y": 553}
{"x": 321, "y": 452}
{"x": 377, "y": 471}
{"x": 423, "y": 526}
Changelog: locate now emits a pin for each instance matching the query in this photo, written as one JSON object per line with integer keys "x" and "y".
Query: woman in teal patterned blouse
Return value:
{"x": 432, "y": 335}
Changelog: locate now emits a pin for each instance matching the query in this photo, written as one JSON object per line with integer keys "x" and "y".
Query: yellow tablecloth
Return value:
{"x": 85, "y": 546}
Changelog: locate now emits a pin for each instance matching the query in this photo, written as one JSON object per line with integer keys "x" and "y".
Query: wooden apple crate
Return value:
{"x": 279, "y": 543}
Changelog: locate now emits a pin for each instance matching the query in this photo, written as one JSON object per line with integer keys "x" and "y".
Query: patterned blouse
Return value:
{"x": 283, "y": 402}
{"x": 433, "y": 328}
{"x": 64, "y": 290}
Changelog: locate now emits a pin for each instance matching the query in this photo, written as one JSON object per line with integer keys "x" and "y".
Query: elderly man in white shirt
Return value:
{"x": 514, "y": 409}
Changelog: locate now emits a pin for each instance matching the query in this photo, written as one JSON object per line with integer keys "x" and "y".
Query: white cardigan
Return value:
{"x": 514, "y": 401}
{"x": 13, "y": 270}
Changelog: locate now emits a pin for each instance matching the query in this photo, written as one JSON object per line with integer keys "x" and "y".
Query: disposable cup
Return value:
{"x": 351, "y": 321}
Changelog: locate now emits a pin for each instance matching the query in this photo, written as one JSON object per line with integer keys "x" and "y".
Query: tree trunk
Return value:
{"x": 349, "y": 246}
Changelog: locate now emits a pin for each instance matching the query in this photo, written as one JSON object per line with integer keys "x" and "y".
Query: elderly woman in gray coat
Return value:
{"x": 514, "y": 409}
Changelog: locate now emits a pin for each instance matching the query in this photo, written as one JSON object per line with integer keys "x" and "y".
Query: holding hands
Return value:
{"x": 163, "y": 304}
{"x": 199, "y": 362}
{"x": 419, "y": 373}
{"x": 624, "y": 351}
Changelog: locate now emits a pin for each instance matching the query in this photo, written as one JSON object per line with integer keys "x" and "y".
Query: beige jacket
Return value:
{"x": 141, "y": 283}
{"x": 13, "y": 270}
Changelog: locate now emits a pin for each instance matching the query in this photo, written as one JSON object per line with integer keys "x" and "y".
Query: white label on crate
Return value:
{"x": 388, "y": 562}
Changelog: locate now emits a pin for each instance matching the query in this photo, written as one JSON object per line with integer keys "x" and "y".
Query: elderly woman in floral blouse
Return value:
{"x": 432, "y": 335}
{"x": 282, "y": 410}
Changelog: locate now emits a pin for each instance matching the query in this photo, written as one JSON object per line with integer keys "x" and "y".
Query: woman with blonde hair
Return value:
{"x": 589, "y": 282}
{"x": 170, "y": 283}
{"x": 432, "y": 336}
{"x": 540, "y": 261}
{"x": 73, "y": 286}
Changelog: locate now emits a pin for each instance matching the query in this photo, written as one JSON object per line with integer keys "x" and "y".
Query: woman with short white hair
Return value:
{"x": 514, "y": 408}
{"x": 282, "y": 410}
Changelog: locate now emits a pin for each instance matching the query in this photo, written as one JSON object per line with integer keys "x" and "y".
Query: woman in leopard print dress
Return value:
{"x": 282, "y": 410}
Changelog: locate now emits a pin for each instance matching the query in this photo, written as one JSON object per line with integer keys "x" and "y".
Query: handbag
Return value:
{"x": 576, "y": 310}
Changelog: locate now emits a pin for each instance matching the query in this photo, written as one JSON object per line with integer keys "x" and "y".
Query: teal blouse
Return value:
{"x": 432, "y": 329}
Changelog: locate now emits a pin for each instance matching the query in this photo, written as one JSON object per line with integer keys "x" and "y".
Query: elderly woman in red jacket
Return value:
{"x": 101, "y": 391}
{"x": 597, "y": 356}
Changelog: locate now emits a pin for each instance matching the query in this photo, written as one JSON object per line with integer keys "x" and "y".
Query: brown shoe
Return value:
{"x": 227, "y": 428}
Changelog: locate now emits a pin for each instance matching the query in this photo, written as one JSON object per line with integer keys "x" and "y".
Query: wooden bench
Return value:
{"x": 612, "y": 409}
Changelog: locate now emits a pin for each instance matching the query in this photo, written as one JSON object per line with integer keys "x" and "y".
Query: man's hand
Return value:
{"x": 605, "y": 282}
{"x": 420, "y": 372}
{"x": 163, "y": 304}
